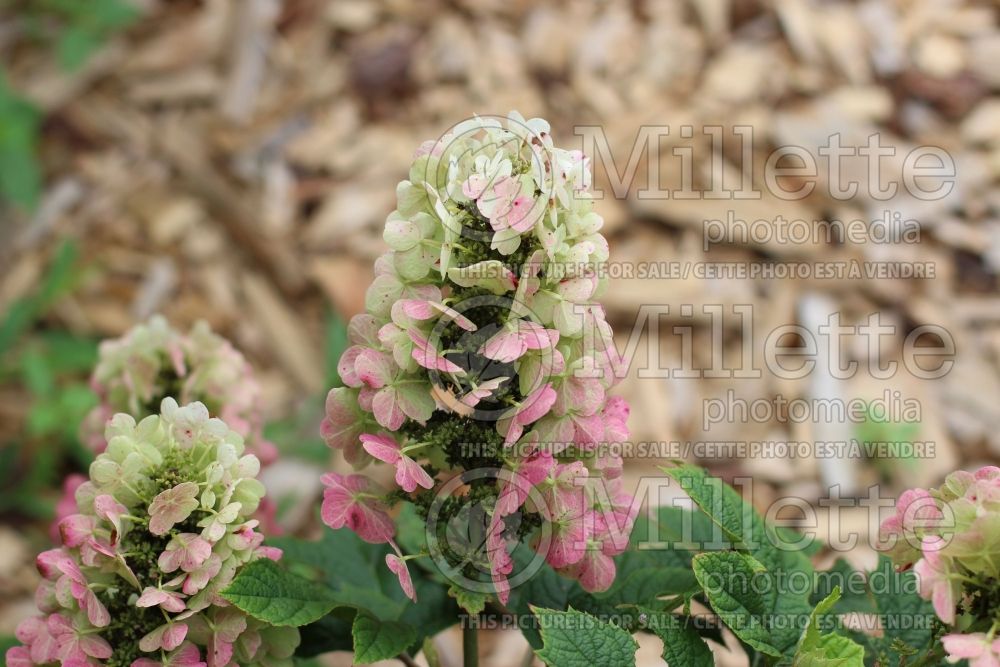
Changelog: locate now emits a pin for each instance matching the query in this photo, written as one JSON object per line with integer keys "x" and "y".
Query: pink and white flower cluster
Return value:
{"x": 483, "y": 331}
{"x": 950, "y": 536}
{"x": 153, "y": 361}
{"x": 161, "y": 527}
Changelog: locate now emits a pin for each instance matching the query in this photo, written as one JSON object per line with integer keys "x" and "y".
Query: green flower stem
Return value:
{"x": 470, "y": 646}
{"x": 413, "y": 447}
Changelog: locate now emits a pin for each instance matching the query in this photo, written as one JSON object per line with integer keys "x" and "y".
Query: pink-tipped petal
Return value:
{"x": 398, "y": 567}
{"x": 382, "y": 447}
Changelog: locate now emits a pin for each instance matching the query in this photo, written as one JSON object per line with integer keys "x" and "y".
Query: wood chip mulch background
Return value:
{"x": 235, "y": 161}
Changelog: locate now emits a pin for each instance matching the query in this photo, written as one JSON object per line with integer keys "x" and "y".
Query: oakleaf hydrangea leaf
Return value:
{"x": 827, "y": 650}
{"x": 269, "y": 593}
{"x": 727, "y": 578}
{"x": 682, "y": 645}
{"x": 720, "y": 502}
{"x": 471, "y": 601}
{"x": 574, "y": 639}
{"x": 376, "y": 640}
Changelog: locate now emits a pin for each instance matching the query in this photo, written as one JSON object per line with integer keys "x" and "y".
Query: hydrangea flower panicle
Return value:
{"x": 950, "y": 536}
{"x": 157, "y": 534}
{"x": 153, "y": 361}
{"x": 483, "y": 348}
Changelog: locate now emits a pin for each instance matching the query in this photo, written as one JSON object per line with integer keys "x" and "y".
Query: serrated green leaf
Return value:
{"x": 816, "y": 649}
{"x": 832, "y": 650}
{"x": 574, "y": 639}
{"x": 360, "y": 576}
{"x": 742, "y": 526}
{"x": 269, "y": 593}
{"x": 730, "y": 581}
{"x": 639, "y": 587}
{"x": 789, "y": 605}
{"x": 362, "y": 580}
{"x": 810, "y": 547}
{"x": 853, "y": 597}
{"x": 682, "y": 645}
{"x": 656, "y": 563}
{"x": 907, "y": 620}
{"x": 783, "y": 596}
{"x": 723, "y": 505}
{"x": 471, "y": 601}
{"x": 330, "y": 633}
{"x": 546, "y": 589}
{"x": 672, "y": 534}
{"x": 376, "y": 640}
{"x": 643, "y": 585}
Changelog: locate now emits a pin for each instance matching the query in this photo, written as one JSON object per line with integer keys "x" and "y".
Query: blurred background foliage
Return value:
{"x": 71, "y": 31}
{"x": 50, "y": 368}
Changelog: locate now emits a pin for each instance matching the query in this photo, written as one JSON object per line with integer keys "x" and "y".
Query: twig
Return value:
{"x": 470, "y": 646}
{"x": 407, "y": 660}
